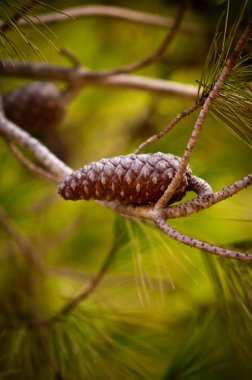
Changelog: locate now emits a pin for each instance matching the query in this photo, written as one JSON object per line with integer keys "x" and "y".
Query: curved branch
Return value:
{"x": 203, "y": 246}
{"x": 203, "y": 202}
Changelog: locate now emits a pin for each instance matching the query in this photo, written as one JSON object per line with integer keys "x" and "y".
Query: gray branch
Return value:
{"x": 203, "y": 246}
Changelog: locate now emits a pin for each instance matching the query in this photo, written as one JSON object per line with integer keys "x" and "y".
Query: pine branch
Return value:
{"x": 82, "y": 77}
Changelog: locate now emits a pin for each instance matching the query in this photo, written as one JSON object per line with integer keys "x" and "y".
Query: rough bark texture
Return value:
{"x": 138, "y": 179}
{"x": 35, "y": 107}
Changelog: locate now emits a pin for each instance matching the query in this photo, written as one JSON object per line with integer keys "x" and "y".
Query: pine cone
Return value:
{"x": 138, "y": 179}
{"x": 35, "y": 107}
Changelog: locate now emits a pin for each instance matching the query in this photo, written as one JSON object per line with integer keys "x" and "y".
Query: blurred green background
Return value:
{"x": 164, "y": 310}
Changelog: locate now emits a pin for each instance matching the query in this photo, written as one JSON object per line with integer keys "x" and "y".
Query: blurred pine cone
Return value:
{"x": 138, "y": 179}
{"x": 35, "y": 107}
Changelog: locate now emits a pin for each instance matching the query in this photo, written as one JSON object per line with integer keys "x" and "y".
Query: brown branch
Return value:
{"x": 82, "y": 77}
{"x": 71, "y": 14}
{"x": 167, "y": 129}
{"x": 203, "y": 114}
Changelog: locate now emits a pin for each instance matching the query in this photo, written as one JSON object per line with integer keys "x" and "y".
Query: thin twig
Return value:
{"x": 203, "y": 246}
{"x": 203, "y": 114}
{"x": 30, "y": 165}
{"x": 167, "y": 129}
{"x": 18, "y": 15}
{"x": 158, "y": 53}
{"x": 71, "y": 14}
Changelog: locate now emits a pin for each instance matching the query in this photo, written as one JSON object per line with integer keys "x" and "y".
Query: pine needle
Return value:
{"x": 7, "y": 11}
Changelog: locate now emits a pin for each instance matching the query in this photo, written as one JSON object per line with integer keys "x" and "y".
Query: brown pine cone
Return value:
{"x": 35, "y": 107}
{"x": 138, "y": 179}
